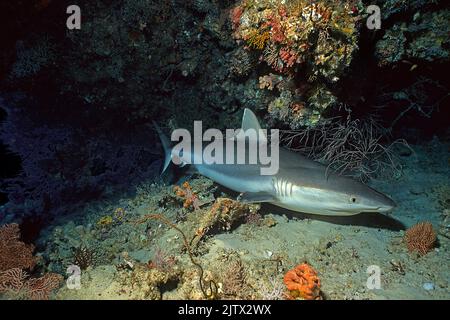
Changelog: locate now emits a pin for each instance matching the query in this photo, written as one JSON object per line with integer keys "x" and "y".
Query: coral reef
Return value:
{"x": 79, "y": 107}
{"x": 391, "y": 8}
{"x": 241, "y": 63}
{"x": 421, "y": 238}
{"x": 303, "y": 282}
{"x": 316, "y": 40}
{"x": 32, "y": 58}
{"x": 428, "y": 40}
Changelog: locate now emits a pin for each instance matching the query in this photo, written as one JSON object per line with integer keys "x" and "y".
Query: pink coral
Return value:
{"x": 190, "y": 198}
{"x": 15, "y": 258}
{"x": 288, "y": 56}
{"x": 15, "y": 281}
{"x": 13, "y": 252}
{"x": 235, "y": 16}
{"x": 276, "y": 32}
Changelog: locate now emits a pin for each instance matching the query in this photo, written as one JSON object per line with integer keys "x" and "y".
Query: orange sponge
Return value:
{"x": 302, "y": 281}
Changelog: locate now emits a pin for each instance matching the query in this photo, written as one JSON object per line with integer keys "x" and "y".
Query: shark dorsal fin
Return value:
{"x": 249, "y": 121}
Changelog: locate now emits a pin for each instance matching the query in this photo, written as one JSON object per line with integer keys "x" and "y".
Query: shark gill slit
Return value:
{"x": 283, "y": 188}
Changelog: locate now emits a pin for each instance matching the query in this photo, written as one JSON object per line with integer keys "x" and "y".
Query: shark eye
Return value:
{"x": 353, "y": 199}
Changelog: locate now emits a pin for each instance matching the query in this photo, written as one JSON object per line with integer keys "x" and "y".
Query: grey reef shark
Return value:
{"x": 300, "y": 184}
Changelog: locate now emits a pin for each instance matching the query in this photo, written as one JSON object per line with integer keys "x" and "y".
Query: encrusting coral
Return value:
{"x": 303, "y": 282}
{"x": 421, "y": 238}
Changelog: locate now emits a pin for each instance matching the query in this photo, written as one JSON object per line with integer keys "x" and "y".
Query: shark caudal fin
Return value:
{"x": 166, "y": 145}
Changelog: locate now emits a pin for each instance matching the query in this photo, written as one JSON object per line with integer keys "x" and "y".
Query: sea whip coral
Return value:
{"x": 302, "y": 281}
{"x": 420, "y": 238}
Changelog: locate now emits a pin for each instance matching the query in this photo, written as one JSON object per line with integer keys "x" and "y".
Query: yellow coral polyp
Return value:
{"x": 258, "y": 40}
{"x": 105, "y": 221}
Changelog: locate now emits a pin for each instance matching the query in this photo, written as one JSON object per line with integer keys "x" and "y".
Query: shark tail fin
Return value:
{"x": 166, "y": 145}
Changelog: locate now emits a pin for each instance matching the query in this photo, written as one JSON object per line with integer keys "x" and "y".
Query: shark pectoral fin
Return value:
{"x": 255, "y": 197}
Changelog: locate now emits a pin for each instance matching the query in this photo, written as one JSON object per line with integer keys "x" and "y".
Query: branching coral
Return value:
{"x": 15, "y": 257}
{"x": 234, "y": 279}
{"x": 269, "y": 81}
{"x": 302, "y": 281}
{"x": 190, "y": 198}
{"x": 84, "y": 257}
{"x": 241, "y": 62}
{"x": 421, "y": 238}
{"x": 258, "y": 40}
{"x": 15, "y": 283}
{"x": 235, "y": 16}
{"x": 425, "y": 38}
{"x": 350, "y": 146}
{"x": 274, "y": 291}
{"x": 13, "y": 252}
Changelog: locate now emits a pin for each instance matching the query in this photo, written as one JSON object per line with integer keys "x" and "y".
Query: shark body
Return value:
{"x": 300, "y": 185}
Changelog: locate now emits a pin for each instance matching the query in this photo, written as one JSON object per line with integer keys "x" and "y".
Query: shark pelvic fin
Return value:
{"x": 255, "y": 197}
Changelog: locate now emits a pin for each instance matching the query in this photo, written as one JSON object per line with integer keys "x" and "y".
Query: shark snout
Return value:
{"x": 387, "y": 205}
